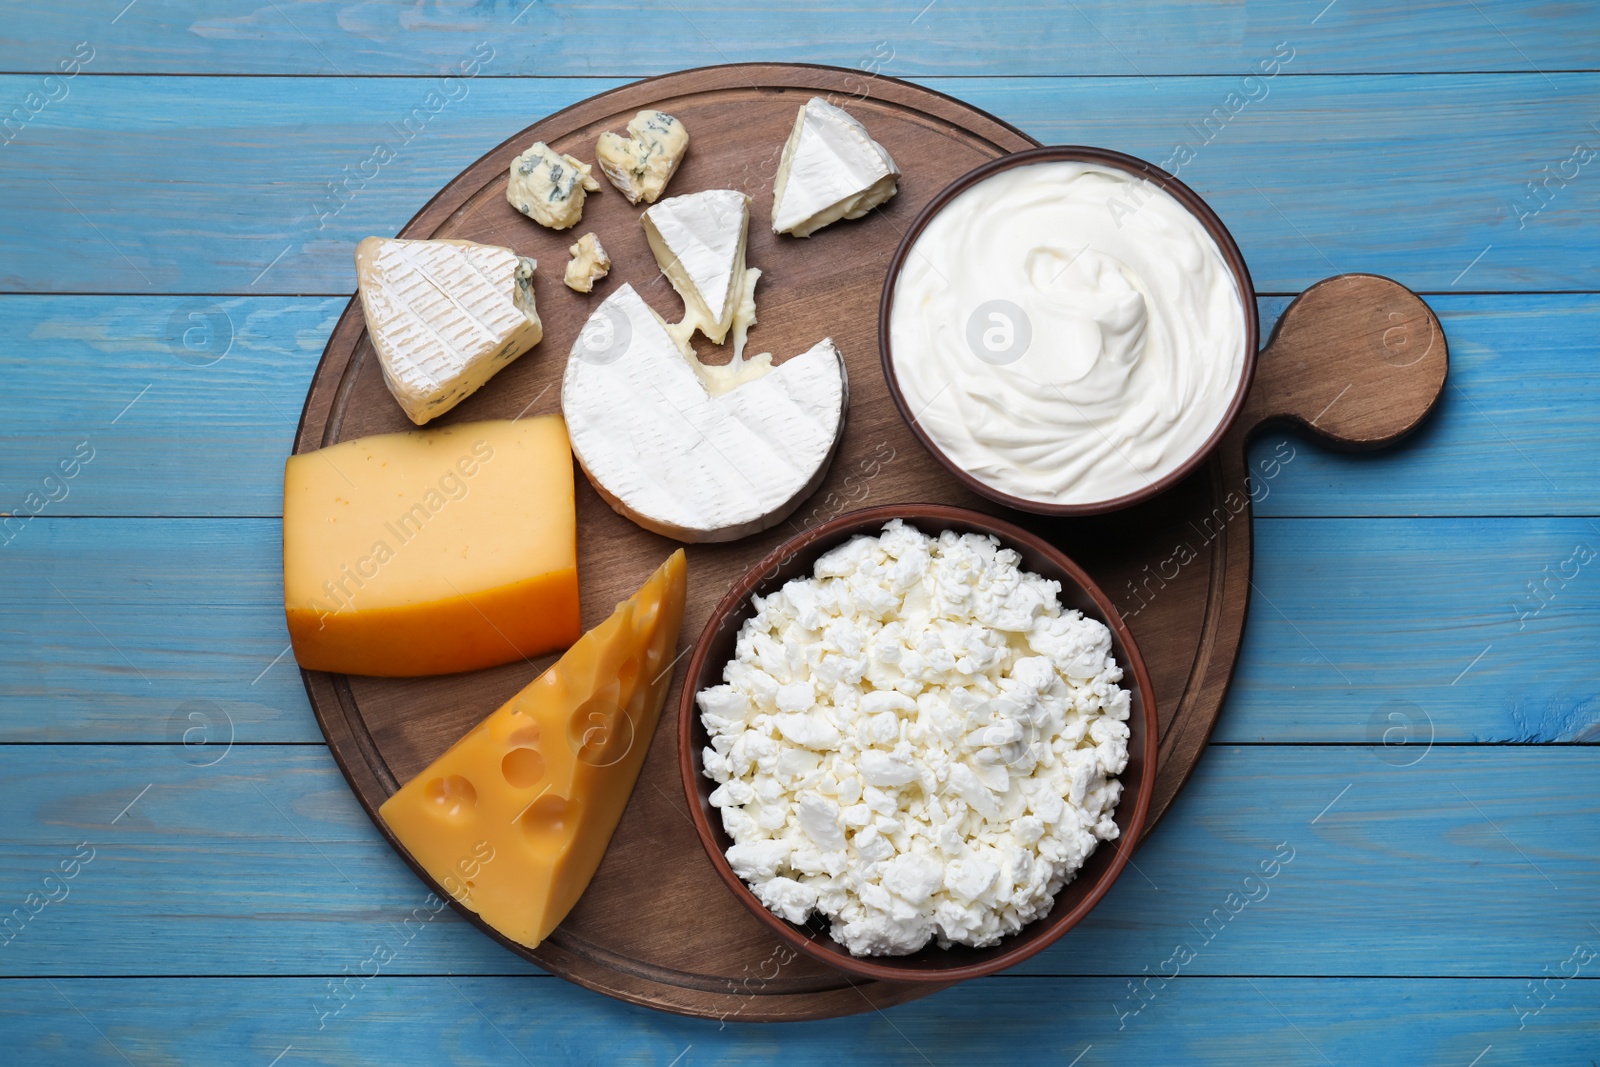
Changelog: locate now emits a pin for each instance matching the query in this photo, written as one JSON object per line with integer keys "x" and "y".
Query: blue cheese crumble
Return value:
{"x": 549, "y": 187}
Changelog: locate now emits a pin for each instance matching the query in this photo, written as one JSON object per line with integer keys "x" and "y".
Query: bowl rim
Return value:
{"x": 1168, "y": 183}
{"x": 696, "y": 788}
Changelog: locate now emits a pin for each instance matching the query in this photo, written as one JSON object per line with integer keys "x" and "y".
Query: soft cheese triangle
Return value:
{"x": 699, "y": 242}
{"x": 686, "y": 461}
{"x": 444, "y": 316}
{"x": 831, "y": 169}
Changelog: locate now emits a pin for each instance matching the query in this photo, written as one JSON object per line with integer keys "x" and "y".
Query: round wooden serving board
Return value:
{"x": 1358, "y": 361}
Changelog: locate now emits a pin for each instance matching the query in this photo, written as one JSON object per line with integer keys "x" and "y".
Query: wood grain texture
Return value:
{"x": 1355, "y": 362}
{"x": 899, "y": 37}
{"x": 1337, "y": 339}
{"x": 629, "y": 936}
{"x": 1373, "y": 347}
{"x": 1411, "y": 176}
{"x": 188, "y": 403}
{"x": 1513, "y": 433}
{"x": 1250, "y": 1022}
{"x": 1511, "y": 436}
{"x": 264, "y": 864}
{"x": 1319, "y": 176}
{"x": 145, "y": 630}
{"x": 197, "y": 607}
{"x": 1357, "y": 627}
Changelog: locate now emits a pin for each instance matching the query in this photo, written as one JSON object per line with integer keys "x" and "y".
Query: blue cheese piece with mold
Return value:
{"x": 699, "y": 242}
{"x": 444, "y": 317}
{"x": 549, "y": 187}
{"x": 589, "y": 263}
{"x": 641, "y": 164}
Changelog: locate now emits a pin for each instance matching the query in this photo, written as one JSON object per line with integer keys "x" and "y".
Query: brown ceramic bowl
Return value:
{"x": 1118, "y": 161}
{"x": 795, "y": 558}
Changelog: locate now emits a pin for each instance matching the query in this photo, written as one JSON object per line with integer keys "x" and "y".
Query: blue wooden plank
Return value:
{"x": 1402, "y": 631}
{"x": 901, "y": 37}
{"x": 207, "y": 185}
{"x": 1513, "y": 435}
{"x": 222, "y": 184}
{"x": 114, "y": 629}
{"x": 147, "y": 630}
{"x": 189, "y": 847}
{"x": 1258, "y": 1022}
{"x": 1477, "y": 861}
{"x": 260, "y": 862}
{"x": 1381, "y": 174}
{"x": 179, "y": 405}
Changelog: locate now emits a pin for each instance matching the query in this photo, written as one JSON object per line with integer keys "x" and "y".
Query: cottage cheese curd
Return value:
{"x": 1068, "y": 333}
{"x": 918, "y": 742}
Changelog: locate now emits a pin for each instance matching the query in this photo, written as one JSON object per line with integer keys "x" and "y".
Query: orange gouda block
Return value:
{"x": 514, "y": 818}
{"x": 432, "y": 551}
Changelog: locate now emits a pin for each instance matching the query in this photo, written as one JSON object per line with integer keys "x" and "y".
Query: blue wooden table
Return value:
{"x": 1412, "y": 728}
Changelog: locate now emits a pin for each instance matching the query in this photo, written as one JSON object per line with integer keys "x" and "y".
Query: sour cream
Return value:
{"x": 1068, "y": 333}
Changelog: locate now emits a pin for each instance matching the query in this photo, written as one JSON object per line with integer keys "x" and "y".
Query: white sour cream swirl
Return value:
{"x": 1134, "y": 327}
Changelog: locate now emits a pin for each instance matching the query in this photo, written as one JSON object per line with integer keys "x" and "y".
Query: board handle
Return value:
{"x": 1357, "y": 361}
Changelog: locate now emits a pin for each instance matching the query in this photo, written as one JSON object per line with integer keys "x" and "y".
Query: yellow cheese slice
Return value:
{"x": 432, "y": 551}
{"x": 512, "y": 821}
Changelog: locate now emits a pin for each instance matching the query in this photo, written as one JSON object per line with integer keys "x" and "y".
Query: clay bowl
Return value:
{"x": 1114, "y": 160}
{"x": 796, "y": 558}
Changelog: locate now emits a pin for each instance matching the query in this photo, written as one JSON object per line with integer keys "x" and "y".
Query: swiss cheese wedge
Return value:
{"x": 514, "y": 818}
{"x": 432, "y": 551}
{"x": 699, "y": 242}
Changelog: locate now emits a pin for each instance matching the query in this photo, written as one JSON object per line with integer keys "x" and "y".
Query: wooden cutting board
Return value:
{"x": 1357, "y": 361}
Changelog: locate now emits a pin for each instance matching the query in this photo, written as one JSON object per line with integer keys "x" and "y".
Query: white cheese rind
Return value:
{"x": 444, "y": 316}
{"x": 549, "y": 187}
{"x": 917, "y": 741}
{"x": 641, "y": 164}
{"x": 669, "y": 455}
{"x": 589, "y": 263}
{"x": 831, "y": 169}
{"x": 699, "y": 243}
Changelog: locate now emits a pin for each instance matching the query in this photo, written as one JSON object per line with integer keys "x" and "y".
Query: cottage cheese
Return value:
{"x": 918, "y": 742}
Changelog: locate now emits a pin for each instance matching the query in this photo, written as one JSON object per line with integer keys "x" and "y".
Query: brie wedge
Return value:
{"x": 549, "y": 187}
{"x": 589, "y": 263}
{"x": 699, "y": 242}
{"x": 444, "y": 316}
{"x": 831, "y": 169}
{"x": 641, "y": 164}
{"x": 685, "y": 461}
